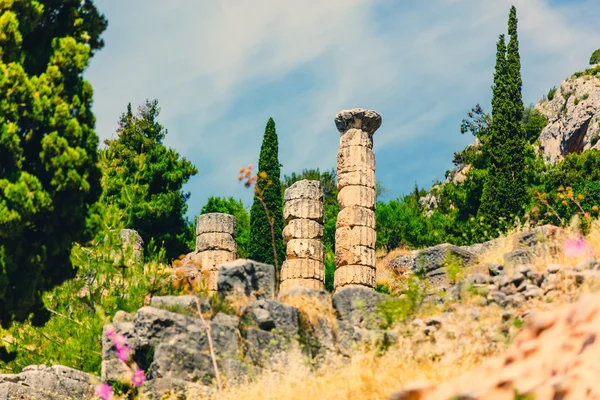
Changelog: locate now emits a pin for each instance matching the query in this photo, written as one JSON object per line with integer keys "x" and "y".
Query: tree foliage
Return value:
{"x": 595, "y": 57}
{"x": 261, "y": 247}
{"x": 48, "y": 148}
{"x": 236, "y": 208}
{"x": 144, "y": 179}
{"x": 504, "y": 191}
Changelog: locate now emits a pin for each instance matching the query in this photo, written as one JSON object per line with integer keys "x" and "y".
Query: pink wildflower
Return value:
{"x": 138, "y": 377}
{"x": 104, "y": 391}
{"x": 110, "y": 332}
{"x": 123, "y": 353}
{"x": 577, "y": 247}
{"x": 119, "y": 340}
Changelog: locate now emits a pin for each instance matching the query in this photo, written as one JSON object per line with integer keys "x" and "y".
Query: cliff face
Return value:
{"x": 573, "y": 114}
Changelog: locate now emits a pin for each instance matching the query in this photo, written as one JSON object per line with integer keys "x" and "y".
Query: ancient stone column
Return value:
{"x": 215, "y": 244}
{"x": 355, "y": 230}
{"x": 303, "y": 234}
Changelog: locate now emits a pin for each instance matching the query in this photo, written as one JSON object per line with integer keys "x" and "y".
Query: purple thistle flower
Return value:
{"x": 577, "y": 247}
{"x": 104, "y": 391}
{"x": 119, "y": 340}
{"x": 138, "y": 377}
{"x": 123, "y": 353}
{"x": 110, "y": 332}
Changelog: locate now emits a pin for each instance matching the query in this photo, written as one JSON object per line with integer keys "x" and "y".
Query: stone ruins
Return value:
{"x": 215, "y": 244}
{"x": 303, "y": 212}
{"x": 303, "y": 234}
{"x": 355, "y": 230}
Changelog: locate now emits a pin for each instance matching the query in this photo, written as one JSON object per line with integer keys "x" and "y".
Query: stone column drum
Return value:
{"x": 303, "y": 234}
{"x": 355, "y": 230}
{"x": 215, "y": 244}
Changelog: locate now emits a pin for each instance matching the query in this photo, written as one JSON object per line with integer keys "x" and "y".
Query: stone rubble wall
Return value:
{"x": 303, "y": 234}
{"x": 215, "y": 245}
{"x": 355, "y": 230}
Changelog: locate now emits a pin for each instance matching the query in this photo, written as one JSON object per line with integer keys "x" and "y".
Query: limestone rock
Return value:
{"x": 573, "y": 118}
{"x": 216, "y": 222}
{"x": 269, "y": 315}
{"x": 247, "y": 277}
{"x": 356, "y": 309}
{"x": 179, "y": 303}
{"x": 557, "y": 355}
{"x": 46, "y": 383}
{"x": 132, "y": 244}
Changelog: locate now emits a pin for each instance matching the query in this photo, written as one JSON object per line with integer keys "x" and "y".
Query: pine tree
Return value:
{"x": 260, "y": 247}
{"x": 144, "y": 178}
{"x": 504, "y": 191}
{"x": 48, "y": 148}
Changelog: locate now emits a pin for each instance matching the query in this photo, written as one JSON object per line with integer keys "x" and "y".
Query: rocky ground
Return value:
{"x": 451, "y": 308}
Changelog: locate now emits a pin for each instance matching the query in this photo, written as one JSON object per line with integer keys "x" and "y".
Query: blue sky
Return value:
{"x": 220, "y": 69}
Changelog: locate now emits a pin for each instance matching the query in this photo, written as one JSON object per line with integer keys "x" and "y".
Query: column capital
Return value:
{"x": 358, "y": 118}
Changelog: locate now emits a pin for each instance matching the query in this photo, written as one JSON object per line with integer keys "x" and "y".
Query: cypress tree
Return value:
{"x": 504, "y": 191}
{"x": 260, "y": 247}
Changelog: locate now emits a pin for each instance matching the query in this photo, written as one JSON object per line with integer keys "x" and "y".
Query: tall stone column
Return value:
{"x": 215, "y": 244}
{"x": 303, "y": 234}
{"x": 355, "y": 230}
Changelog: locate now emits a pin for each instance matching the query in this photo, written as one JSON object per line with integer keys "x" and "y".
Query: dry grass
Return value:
{"x": 470, "y": 333}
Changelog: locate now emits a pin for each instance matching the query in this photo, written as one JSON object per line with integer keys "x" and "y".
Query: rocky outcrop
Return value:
{"x": 355, "y": 230}
{"x": 573, "y": 118}
{"x": 303, "y": 234}
{"x": 556, "y": 356}
{"x": 47, "y": 383}
{"x": 247, "y": 278}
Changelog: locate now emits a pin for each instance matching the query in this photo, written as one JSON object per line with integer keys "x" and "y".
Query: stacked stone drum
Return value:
{"x": 355, "y": 230}
{"x": 215, "y": 244}
{"x": 303, "y": 213}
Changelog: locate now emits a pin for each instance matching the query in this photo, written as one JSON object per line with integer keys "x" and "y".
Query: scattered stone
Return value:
{"x": 524, "y": 269}
{"x": 587, "y": 264}
{"x": 495, "y": 269}
{"x": 270, "y": 315}
{"x": 434, "y": 321}
{"x": 555, "y": 356}
{"x": 247, "y": 278}
{"x": 474, "y": 313}
{"x": 46, "y": 383}
{"x": 224, "y": 319}
{"x": 479, "y": 279}
{"x": 507, "y": 315}
{"x": 517, "y": 279}
{"x": 515, "y": 300}
{"x": 179, "y": 303}
{"x": 133, "y": 246}
{"x": 498, "y": 297}
{"x": 554, "y": 268}
{"x": 517, "y": 257}
{"x": 533, "y": 291}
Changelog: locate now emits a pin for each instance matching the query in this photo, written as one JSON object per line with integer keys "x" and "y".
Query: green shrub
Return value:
{"x": 576, "y": 101}
{"x": 585, "y": 96}
{"x": 595, "y": 57}
{"x": 82, "y": 306}
{"x": 406, "y": 305}
{"x": 551, "y": 93}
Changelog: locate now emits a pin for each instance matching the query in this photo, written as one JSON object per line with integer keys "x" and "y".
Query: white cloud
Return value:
{"x": 220, "y": 69}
